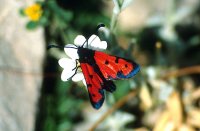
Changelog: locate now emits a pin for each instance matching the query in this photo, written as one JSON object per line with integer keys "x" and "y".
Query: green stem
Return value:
{"x": 113, "y": 22}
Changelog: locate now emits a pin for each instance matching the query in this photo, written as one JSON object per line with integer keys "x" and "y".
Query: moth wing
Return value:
{"x": 113, "y": 67}
{"x": 94, "y": 85}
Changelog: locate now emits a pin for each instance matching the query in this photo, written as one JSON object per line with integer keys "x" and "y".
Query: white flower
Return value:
{"x": 69, "y": 65}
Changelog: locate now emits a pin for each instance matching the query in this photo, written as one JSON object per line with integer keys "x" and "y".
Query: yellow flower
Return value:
{"x": 34, "y": 12}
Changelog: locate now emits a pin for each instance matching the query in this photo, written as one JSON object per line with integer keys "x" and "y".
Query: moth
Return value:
{"x": 100, "y": 69}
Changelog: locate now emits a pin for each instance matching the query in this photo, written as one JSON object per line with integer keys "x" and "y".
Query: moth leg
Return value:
{"x": 76, "y": 69}
{"x": 76, "y": 65}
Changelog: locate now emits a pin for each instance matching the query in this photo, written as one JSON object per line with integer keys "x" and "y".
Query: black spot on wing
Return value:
{"x": 126, "y": 65}
{"x": 120, "y": 74}
{"x": 106, "y": 62}
{"x": 91, "y": 76}
{"x": 117, "y": 60}
{"x": 89, "y": 85}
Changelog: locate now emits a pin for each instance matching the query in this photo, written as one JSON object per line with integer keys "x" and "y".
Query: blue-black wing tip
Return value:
{"x": 134, "y": 71}
{"x": 131, "y": 74}
{"x": 98, "y": 104}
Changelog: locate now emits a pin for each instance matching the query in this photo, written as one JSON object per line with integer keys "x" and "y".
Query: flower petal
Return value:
{"x": 103, "y": 45}
{"x": 79, "y": 40}
{"x": 84, "y": 82}
{"x": 78, "y": 77}
{"x": 67, "y": 63}
{"x": 66, "y": 74}
{"x": 71, "y": 52}
{"x": 94, "y": 41}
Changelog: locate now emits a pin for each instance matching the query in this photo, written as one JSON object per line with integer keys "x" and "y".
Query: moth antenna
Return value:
{"x": 72, "y": 47}
{"x": 84, "y": 43}
{"x": 58, "y": 46}
{"x": 97, "y": 28}
{"x": 54, "y": 46}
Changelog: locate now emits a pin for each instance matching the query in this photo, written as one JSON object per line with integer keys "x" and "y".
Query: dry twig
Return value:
{"x": 182, "y": 72}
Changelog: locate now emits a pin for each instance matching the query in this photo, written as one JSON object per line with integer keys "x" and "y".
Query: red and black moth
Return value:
{"x": 100, "y": 69}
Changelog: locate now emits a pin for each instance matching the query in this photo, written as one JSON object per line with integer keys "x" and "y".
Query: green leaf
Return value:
{"x": 65, "y": 126}
{"x": 60, "y": 23}
{"x": 31, "y": 25}
{"x": 123, "y": 87}
{"x": 62, "y": 87}
{"x": 65, "y": 105}
{"x": 49, "y": 124}
{"x": 43, "y": 21}
{"x": 66, "y": 15}
{"x": 59, "y": 12}
{"x": 21, "y": 12}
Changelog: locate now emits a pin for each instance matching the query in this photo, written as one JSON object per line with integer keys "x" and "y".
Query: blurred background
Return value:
{"x": 162, "y": 36}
